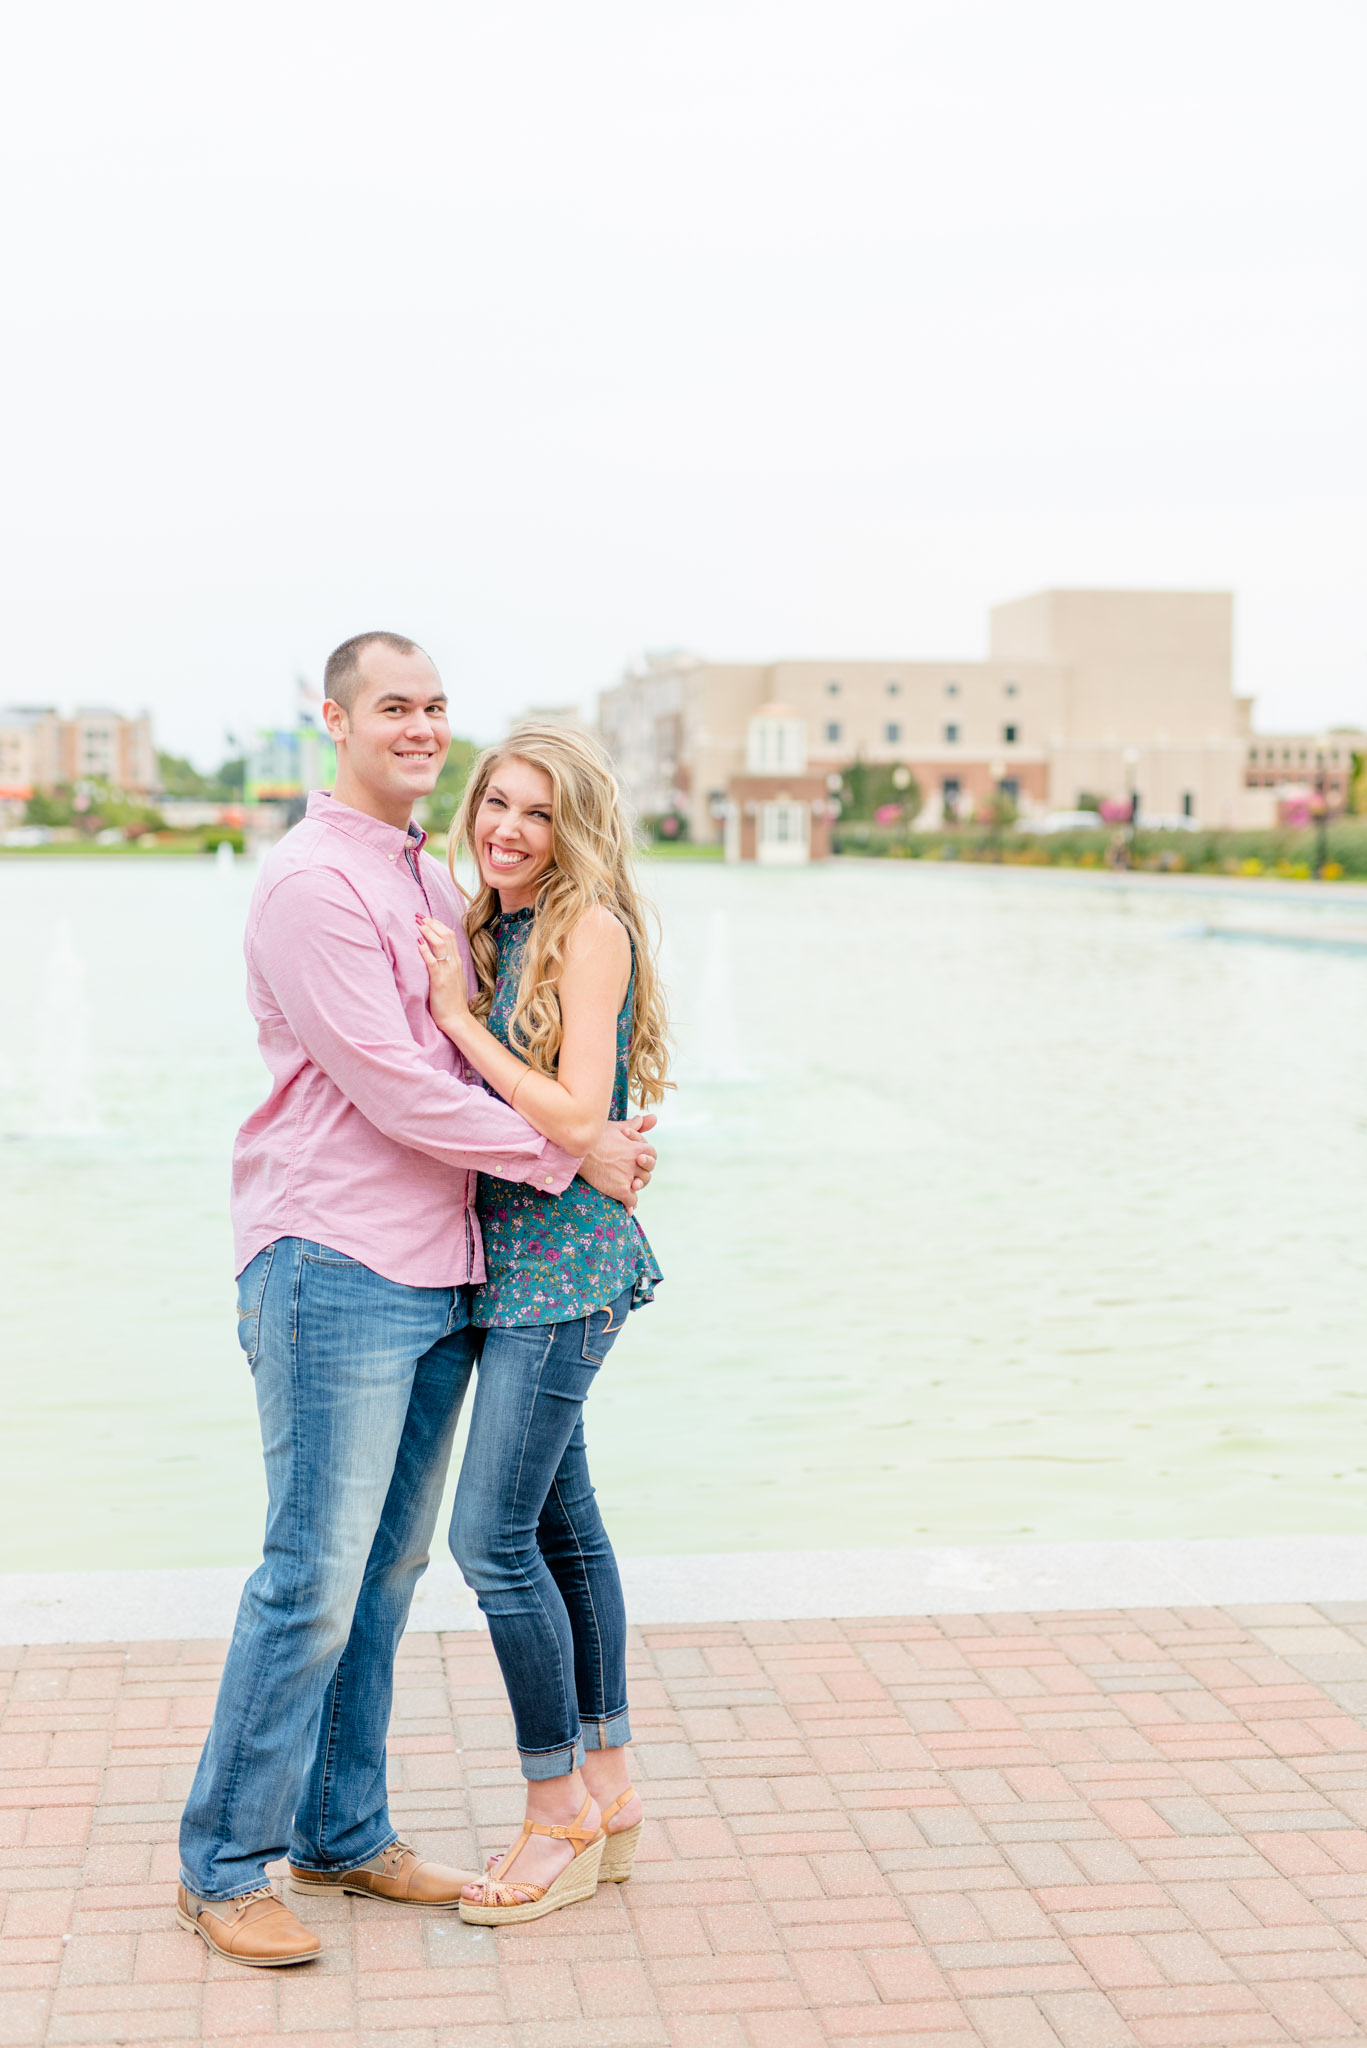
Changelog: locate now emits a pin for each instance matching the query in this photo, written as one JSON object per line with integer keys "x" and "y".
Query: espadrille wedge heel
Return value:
{"x": 500, "y": 1905}
{"x": 619, "y": 1850}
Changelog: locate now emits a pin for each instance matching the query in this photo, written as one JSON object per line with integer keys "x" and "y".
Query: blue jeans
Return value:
{"x": 359, "y": 1383}
{"x": 530, "y": 1542}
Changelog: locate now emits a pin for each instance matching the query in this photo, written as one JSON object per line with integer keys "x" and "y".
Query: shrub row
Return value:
{"x": 1289, "y": 852}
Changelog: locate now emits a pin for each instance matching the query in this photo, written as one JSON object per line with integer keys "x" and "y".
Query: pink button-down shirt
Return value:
{"x": 374, "y": 1128}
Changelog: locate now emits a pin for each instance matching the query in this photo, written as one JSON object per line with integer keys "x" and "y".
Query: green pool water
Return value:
{"x": 993, "y": 1205}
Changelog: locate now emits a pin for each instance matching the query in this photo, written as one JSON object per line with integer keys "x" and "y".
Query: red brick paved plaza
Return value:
{"x": 1058, "y": 1831}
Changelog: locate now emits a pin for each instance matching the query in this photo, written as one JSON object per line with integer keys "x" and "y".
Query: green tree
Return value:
{"x": 50, "y": 807}
{"x": 180, "y": 777}
{"x": 107, "y": 807}
{"x": 91, "y": 808}
{"x": 440, "y": 808}
{"x": 865, "y": 788}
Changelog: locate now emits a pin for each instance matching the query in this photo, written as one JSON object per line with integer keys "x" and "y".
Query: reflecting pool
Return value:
{"x": 993, "y": 1204}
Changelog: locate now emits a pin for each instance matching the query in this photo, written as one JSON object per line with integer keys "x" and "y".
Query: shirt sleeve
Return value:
{"x": 318, "y": 951}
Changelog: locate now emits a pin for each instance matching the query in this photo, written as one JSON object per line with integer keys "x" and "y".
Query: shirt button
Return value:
{"x": 393, "y": 856}
{"x": 550, "y": 1180}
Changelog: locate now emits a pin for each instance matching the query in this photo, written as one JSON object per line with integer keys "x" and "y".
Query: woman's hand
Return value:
{"x": 450, "y": 1002}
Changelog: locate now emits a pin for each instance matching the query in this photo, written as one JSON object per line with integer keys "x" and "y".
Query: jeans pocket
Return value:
{"x": 324, "y": 1255}
{"x": 251, "y": 1286}
{"x": 602, "y": 1327}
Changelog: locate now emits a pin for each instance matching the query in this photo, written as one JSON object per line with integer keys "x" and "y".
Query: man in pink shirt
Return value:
{"x": 356, "y": 1247}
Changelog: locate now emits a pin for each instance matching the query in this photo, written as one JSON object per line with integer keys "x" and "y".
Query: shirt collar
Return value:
{"x": 325, "y": 809}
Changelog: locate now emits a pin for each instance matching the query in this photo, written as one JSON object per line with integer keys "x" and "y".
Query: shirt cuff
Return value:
{"x": 550, "y": 1173}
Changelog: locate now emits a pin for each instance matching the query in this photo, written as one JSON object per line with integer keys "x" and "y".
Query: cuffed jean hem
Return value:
{"x": 609, "y": 1733}
{"x": 207, "y": 1898}
{"x": 327, "y": 1869}
{"x": 551, "y": 1763}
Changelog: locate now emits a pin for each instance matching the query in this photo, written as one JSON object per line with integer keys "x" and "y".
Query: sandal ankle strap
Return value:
{"x": 565, "y": 1834}
{"x": 610, "y": 1812}
{"x": 576, "y": 1832}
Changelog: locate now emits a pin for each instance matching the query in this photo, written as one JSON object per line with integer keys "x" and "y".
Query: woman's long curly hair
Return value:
{"x": 591, "y": 864}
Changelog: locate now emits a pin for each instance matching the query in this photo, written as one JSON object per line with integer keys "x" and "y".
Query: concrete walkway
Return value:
{"x": 1025, "y": 1831}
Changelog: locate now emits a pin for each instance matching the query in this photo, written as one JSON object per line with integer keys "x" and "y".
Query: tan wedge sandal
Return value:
{"x": 501, "y": 1907}
{"x": 619, "y": 1850}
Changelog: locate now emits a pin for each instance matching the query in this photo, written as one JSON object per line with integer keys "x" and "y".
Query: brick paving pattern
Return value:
{"x": 1049, "y": 1831}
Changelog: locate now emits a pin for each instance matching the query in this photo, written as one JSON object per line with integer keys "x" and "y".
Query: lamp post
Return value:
{"x": 1320, "y": 810}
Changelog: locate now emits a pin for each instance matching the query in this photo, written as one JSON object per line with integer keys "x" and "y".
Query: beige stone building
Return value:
{"x": 30, "y": 749}
{"x": 1083, "y": 693}
{"x": 1300, "y": 764}
{"x": 40, "y": 749}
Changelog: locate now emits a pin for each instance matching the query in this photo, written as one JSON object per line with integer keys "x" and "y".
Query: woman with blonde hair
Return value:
{"x": 567, "y": 1022}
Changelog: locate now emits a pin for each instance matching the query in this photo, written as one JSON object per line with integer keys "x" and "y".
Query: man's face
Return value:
{"x": 396, "y": 735}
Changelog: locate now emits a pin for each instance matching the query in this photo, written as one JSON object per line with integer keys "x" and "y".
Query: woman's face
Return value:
{"x": 513, "y": 837}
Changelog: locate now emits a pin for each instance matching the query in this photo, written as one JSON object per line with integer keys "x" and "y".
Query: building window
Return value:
{"x": 1011, "y": 689}
{"x": 892, "y": 733}
{"x": 951, "y": 735}
{"x": 894, "y": 689}
{"x": 951, "y": 689}
{"x": 833, "y": 689}
{"x": 949, "y": 789}
{"x": 1188, "y": 804}
{"x": 1009, "y": 733}
{"x": 832, "y": 729}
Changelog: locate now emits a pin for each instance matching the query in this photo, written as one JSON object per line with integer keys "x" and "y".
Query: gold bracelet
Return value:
{"x": 512, "y": 1099}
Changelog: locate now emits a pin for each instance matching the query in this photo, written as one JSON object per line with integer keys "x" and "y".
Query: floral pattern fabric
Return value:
{"x": 552, "y": 1258}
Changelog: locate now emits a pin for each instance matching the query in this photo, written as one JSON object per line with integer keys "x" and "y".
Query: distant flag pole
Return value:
{"x": 308, "y": 701}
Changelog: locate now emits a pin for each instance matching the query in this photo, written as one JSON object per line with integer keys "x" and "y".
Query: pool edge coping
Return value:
{"x": 790, "y": 1585}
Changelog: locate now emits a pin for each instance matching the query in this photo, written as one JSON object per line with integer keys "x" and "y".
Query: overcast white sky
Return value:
{"x": 547, "y": 333}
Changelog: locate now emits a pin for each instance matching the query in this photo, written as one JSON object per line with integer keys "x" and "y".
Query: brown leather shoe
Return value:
{"x": 398, "y": 1873}
{"x": 257, "y": 1929}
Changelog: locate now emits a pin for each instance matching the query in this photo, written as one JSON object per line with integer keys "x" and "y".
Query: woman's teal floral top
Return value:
{"x": 552, "y": 1258}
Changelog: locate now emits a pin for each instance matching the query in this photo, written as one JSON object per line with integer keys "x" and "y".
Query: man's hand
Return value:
{"x": 620, "y": 1164}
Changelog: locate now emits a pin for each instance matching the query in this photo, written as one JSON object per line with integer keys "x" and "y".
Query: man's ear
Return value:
{"x": 335, "y": 719}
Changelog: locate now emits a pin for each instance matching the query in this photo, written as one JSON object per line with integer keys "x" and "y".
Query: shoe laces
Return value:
{"x": 396, "y": 1852}
{"x": 263, "y": 1891}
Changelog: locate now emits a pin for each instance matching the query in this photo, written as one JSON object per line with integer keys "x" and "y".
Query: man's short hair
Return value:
{"x": 342, "y": 676}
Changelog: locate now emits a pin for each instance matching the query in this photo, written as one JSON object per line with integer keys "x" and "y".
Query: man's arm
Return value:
{"x": 319, "y": 952}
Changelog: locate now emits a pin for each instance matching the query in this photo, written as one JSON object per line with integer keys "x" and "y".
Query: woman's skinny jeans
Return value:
{"x": 530, "y": 1542}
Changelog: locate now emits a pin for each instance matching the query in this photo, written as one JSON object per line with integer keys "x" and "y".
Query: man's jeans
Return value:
{"x": 359, "y": 1383}
{"x": 528, "y": 1537}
